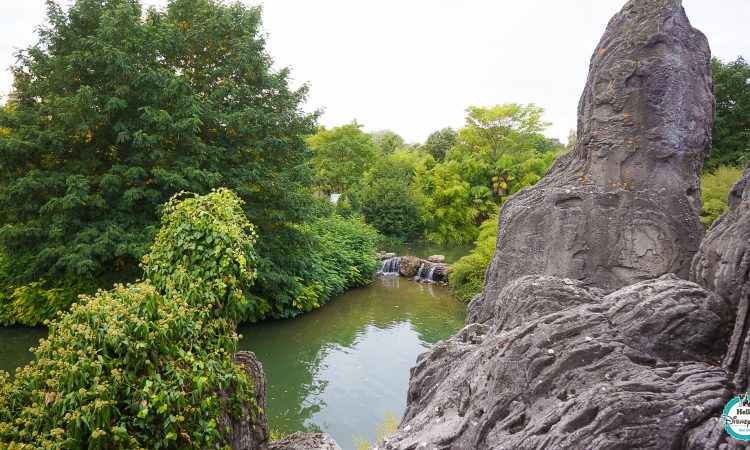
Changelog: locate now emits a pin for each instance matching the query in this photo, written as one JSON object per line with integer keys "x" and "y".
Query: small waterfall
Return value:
{"x": 419, "y": 272}
{"x": 391, "y": 266}
{"x": 430, "y": 279}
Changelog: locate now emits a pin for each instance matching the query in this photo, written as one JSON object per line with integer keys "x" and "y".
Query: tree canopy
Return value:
{"x": 115, "y": 109}
{"x": 387, "y": 141}
{"x": 342, "y": 155}
{"x": 731, "y": 132}
{"x": 439, "y": 142}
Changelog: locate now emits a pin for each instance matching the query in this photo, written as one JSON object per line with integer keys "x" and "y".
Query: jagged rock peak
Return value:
{"x": 624, "y": 206}
{"x": 646, "y": 112}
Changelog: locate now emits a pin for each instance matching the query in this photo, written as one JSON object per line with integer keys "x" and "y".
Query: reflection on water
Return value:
{"x": 340, "y": 368}
{"x": 15, "y": 342}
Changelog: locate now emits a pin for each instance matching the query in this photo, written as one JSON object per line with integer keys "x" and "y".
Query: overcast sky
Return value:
{"x": 413, "y": 66}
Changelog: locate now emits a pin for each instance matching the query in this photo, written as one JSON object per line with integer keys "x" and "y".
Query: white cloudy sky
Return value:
{"x": 413, "y": 66}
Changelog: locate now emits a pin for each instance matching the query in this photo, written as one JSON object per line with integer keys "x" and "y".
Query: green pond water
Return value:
{"x": 15, "y": 343}
{"x": 342, "y": 367}
{"x": 337, "y": 369}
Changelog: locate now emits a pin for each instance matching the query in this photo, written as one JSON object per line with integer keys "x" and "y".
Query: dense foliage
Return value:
{"x": 390, "y": 199}
{"x": 387, "y": 142}
{"x": 466, "y": 276}
{"x": 114, "y": 111}
{"x": 443, "y": 190}
{"x": 345, "y": 258}
{"x": 342, "y": 155}
{"x": 731, "y": 132}
{"x": 439, "y": 142}
{"x": 715, "y": 188}
{"x": 499, "y": 151}
{"x": 142, "y": 366}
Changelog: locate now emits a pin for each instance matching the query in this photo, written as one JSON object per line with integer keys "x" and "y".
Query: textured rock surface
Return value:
{"x": 382, "y": 256}
{"x": 436, "y": 258}
{"x": 409, "y": 266}
{"x": 584, "y": 338}
{"x": 305, "y": 441}
{"x": 624, "y": 205}
{"x": 439, "y": 272}
{"x": 250, "y": 431}
{"x": 637, "y": 368}
{"x": 723, "y": 265}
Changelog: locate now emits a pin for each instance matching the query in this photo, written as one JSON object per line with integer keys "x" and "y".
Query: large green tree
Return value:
{"x": 116, "y": 109}
{"x": 498, "y": 129}
{"x": 342, "y": 155}
{"x": 731, "y": 132}
{"x": 390, "y": 201}
{"x": 387, "y": 141}
{"x": 439, "y": 142}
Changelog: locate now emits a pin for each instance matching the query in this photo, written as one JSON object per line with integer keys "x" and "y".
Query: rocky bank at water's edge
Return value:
{"x": 586, "y": 335}
{"x": 434, "y": 269}
{"x": 250, "y": 432}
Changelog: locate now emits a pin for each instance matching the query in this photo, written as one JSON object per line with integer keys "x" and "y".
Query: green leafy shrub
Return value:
{"x": 142, "y": 366}
{"x": 390, "y": 200}
{"x": 204, "y": 250}
{"x": 344, "y": 257}
{"x": 715, "y": 187}
{"x": 466, "y": 276}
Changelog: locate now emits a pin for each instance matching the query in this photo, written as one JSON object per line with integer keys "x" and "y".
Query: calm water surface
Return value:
{"x": 342, "y": 367}
{"x": 15, "y": 342}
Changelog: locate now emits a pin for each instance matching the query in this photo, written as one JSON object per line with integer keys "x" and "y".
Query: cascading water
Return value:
{"x": 419, "y": 272}
{"x": 430, "y": 278}
{"x": 391, "y": 266}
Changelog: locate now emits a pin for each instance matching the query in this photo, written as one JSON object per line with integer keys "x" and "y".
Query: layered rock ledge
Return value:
{"x": 633, "y": 369}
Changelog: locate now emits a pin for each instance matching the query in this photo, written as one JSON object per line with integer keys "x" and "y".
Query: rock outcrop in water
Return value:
{"x": 250, "y": 432}
{"x": 305, "y": 441}
{"x": 584, "y": 336}
{"x": 624, "y": 205}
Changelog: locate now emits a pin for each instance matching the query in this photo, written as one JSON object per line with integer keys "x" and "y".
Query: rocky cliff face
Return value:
{"x": 623, "y": 206}
{"x": 723, "y": 265}
{"x": 633, "y": 369}
{"x": 584, "y": 336}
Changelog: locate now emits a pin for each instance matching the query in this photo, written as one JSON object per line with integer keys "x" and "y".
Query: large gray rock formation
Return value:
{"x": 624, "y": 205}
{"x": 614, "y": 351}
{"x": 637, "y": 368}
{"x": 723, "y": 265}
